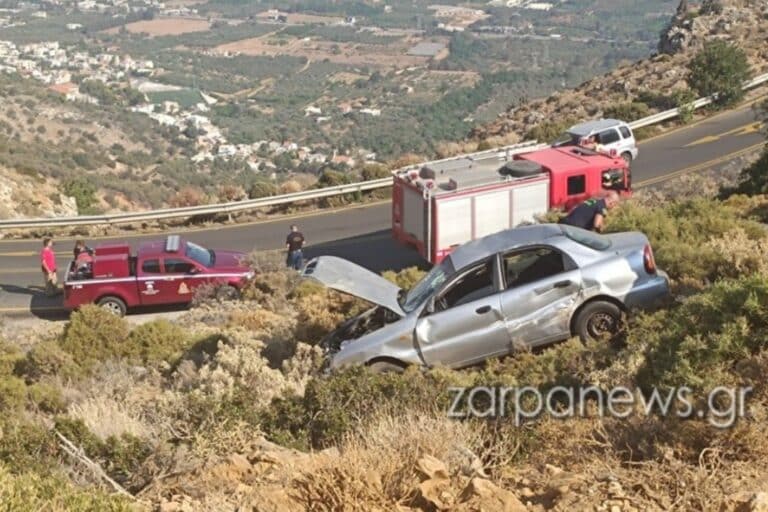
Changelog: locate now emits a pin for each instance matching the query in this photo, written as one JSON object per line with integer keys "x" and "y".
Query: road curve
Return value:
{"x": 361, "y": 233}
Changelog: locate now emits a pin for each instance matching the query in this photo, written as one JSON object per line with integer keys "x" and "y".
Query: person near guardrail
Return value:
{"x": 591, "y": 213}
{"x": 48, "y": 267}
{"x": 294, "y": 243}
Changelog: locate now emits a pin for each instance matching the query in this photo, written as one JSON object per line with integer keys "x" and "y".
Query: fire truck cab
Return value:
{"x": 438, "y": 206}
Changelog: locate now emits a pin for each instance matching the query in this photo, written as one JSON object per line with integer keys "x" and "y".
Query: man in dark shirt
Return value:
{"x": 294, "y": 242}
{"x": 591, "y": 213}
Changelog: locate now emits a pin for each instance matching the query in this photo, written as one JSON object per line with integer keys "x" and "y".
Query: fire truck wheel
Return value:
{"x": 627, "y": 158}
{"x": 597, "y": 320}
{"x": 114, "y": 305}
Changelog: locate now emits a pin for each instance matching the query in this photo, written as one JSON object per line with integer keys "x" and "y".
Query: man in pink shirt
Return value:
{"x": 48, "y": 266}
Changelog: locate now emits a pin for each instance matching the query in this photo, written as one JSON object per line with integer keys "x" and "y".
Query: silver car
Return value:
{"x": 612, "y": 134}
{"x": 527, "y": 286}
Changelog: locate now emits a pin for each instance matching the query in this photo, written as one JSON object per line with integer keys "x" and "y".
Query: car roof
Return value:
{"x": 482, "y": 248}
{"x": 594, "y": 126}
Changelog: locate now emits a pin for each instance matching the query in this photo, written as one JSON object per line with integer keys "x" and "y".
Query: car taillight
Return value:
{"x": 648, "y": 261}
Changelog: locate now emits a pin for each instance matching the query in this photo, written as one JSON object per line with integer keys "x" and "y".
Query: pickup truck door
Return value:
{"x": 148, "y": 282}
{"x": 178, "y": 281}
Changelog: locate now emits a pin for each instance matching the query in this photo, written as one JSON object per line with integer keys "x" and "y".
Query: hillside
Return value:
{"x": 638, "y": 89}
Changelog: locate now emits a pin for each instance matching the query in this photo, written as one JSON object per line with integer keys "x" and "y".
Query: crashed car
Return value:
{"x": 526, "y": 286}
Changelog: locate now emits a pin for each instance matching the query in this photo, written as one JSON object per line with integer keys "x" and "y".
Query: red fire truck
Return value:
{"x": 440, "y": 205}
{"x": 162, "y": 272}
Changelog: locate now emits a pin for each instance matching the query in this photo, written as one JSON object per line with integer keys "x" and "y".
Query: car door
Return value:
{"x": 150, "y": 276}
{"x": 542, "y": 290}
{"x": 178, "y": 280}
{"x": 465, "y": 323}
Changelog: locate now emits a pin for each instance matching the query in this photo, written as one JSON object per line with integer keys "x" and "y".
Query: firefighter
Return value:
{"x": 591, "y": 213}
{"x": 294, "y": 242}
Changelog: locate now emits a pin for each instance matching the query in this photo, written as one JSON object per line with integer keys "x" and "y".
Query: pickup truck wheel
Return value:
{"x": 597, "y": 321}
{"x": 113, "y": 305}
{"x": 385, "y": 367}
{"x": 227, "y": 293}
{"x": 627, "y": 158}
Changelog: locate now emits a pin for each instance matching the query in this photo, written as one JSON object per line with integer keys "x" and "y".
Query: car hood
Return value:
{"x": 230, "y": 260}
{"x": 344, "y": 276}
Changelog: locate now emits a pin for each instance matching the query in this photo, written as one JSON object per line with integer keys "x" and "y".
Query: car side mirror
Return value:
{"x": 430, "y": 308}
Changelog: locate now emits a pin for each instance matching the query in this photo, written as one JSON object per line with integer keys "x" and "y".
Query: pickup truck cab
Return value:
{"x": 162, "y": 272}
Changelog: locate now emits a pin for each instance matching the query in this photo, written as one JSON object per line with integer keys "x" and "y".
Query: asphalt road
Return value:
{"x": 361, "y": 233}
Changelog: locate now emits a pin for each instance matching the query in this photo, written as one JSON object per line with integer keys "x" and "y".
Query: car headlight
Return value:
{"x": 249, "y": 275}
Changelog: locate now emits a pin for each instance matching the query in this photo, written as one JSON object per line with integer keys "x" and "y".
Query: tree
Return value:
{"x": 720, "y": 68}
{"x": 754, "y": 178}
{"x": 82, "y": 190}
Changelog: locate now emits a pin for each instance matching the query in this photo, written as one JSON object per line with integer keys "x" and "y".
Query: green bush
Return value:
{"x": 330, "y": 178}
{"x": 10, "y": 356}
{"x": 683, "y": 100}
{"x": 262, "y": 189}
{"x": 25, "y": 446}
{"x": 31, "y": 492}
{"x": 406, "y": 278}
{"x": 753, "y": 178}
{"x": 46, "y": 359}
{"x": 548, "y": 131}
{"x": 157, "y": 341}
{"x": 13, "y": 394}
{"x": 93, "y": 335}
{"x": 83, "y": 190}
{"x": 629, "y": 111}
{"x": 375, "y": 172}
{"x": 700, "y": 343}
{"x": 680, "y": 230}
{"x": 120, "y": 457}
{"x": 719, "y": 68}
{"x": 47, "y": 397}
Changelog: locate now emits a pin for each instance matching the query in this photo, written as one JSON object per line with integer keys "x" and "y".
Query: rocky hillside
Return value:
{"x": 649, "y": 83}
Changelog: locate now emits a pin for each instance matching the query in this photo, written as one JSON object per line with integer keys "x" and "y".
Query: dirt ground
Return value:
{"x": 165, "y": 26}
{"x": 391, "y": 56}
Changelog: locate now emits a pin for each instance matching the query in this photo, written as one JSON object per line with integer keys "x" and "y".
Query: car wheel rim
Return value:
{"x": 601, "y": 324}
{"x": 112, "y": 307}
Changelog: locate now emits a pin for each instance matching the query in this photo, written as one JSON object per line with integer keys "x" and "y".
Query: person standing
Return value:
{"x": 294, "y": 242}
{"x": 48, "y": 266}
{"x": 591, "y": 213}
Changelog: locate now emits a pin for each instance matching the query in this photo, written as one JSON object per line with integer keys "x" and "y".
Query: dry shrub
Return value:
{"x": 228, "y": 193}
{"x": 188, "y": 196}
{"x": 739, "y": 253}
{"x": 290, "y": 187}
{"x": 377, "y": 468}
{"x": 406, "y": 278}
{"x": 406, "y": 159}
{"x": 320, "y": 313}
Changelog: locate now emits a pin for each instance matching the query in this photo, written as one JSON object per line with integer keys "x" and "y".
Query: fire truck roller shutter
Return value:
{"x": 455, "y": 222}
{"x": 529, "y": 200}
{"x": 414, "y": 213}
{"x": 491, "y": 212}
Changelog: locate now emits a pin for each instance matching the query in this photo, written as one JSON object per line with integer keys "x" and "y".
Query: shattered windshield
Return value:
{"x": 427, "y": 286}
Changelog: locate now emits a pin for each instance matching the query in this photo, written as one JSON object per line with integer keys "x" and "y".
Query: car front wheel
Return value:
{"x": 597, "y": 320}
{"x": 627, "y": 158}
{"x": 385, "y": 367}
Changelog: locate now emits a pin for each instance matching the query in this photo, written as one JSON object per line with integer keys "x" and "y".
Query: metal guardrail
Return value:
{"x": 250, "y": 204}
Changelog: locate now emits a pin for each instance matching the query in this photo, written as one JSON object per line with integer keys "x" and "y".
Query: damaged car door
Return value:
{"x": 542, "y": 290}
{"x": 463, "y": 322}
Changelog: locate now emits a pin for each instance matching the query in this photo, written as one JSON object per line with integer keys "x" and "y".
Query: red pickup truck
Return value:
{"x": 162, "y": 272}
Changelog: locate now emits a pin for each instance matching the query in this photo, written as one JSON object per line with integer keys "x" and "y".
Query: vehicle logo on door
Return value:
{"x": 150, "y": 289}
{"x": 183, "y": 288}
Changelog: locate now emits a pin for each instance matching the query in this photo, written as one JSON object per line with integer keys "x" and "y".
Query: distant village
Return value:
{"x": 56, "y": 66}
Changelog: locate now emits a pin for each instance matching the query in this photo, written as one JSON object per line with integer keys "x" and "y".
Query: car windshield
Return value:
{"x": 588, "y": 238}
{"x": 201, "y": 255}
{"x": 427, "y": 286}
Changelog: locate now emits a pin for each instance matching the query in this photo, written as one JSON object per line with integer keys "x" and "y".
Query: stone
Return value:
{"x": 432, "y": 467}
{"x": 486, "y": 495}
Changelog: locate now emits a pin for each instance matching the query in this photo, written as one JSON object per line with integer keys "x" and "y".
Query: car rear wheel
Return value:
{"x": 114, "y": 305}
{"x": 627, "y": 158}
{"x": 385, "y": 367}
{"x": 597, "y": 321}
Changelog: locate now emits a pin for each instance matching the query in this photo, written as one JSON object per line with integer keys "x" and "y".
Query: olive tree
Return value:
{"x": 719, "y": 68}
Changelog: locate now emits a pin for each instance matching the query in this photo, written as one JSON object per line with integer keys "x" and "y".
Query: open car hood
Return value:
{"x": 344, "y": 276}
